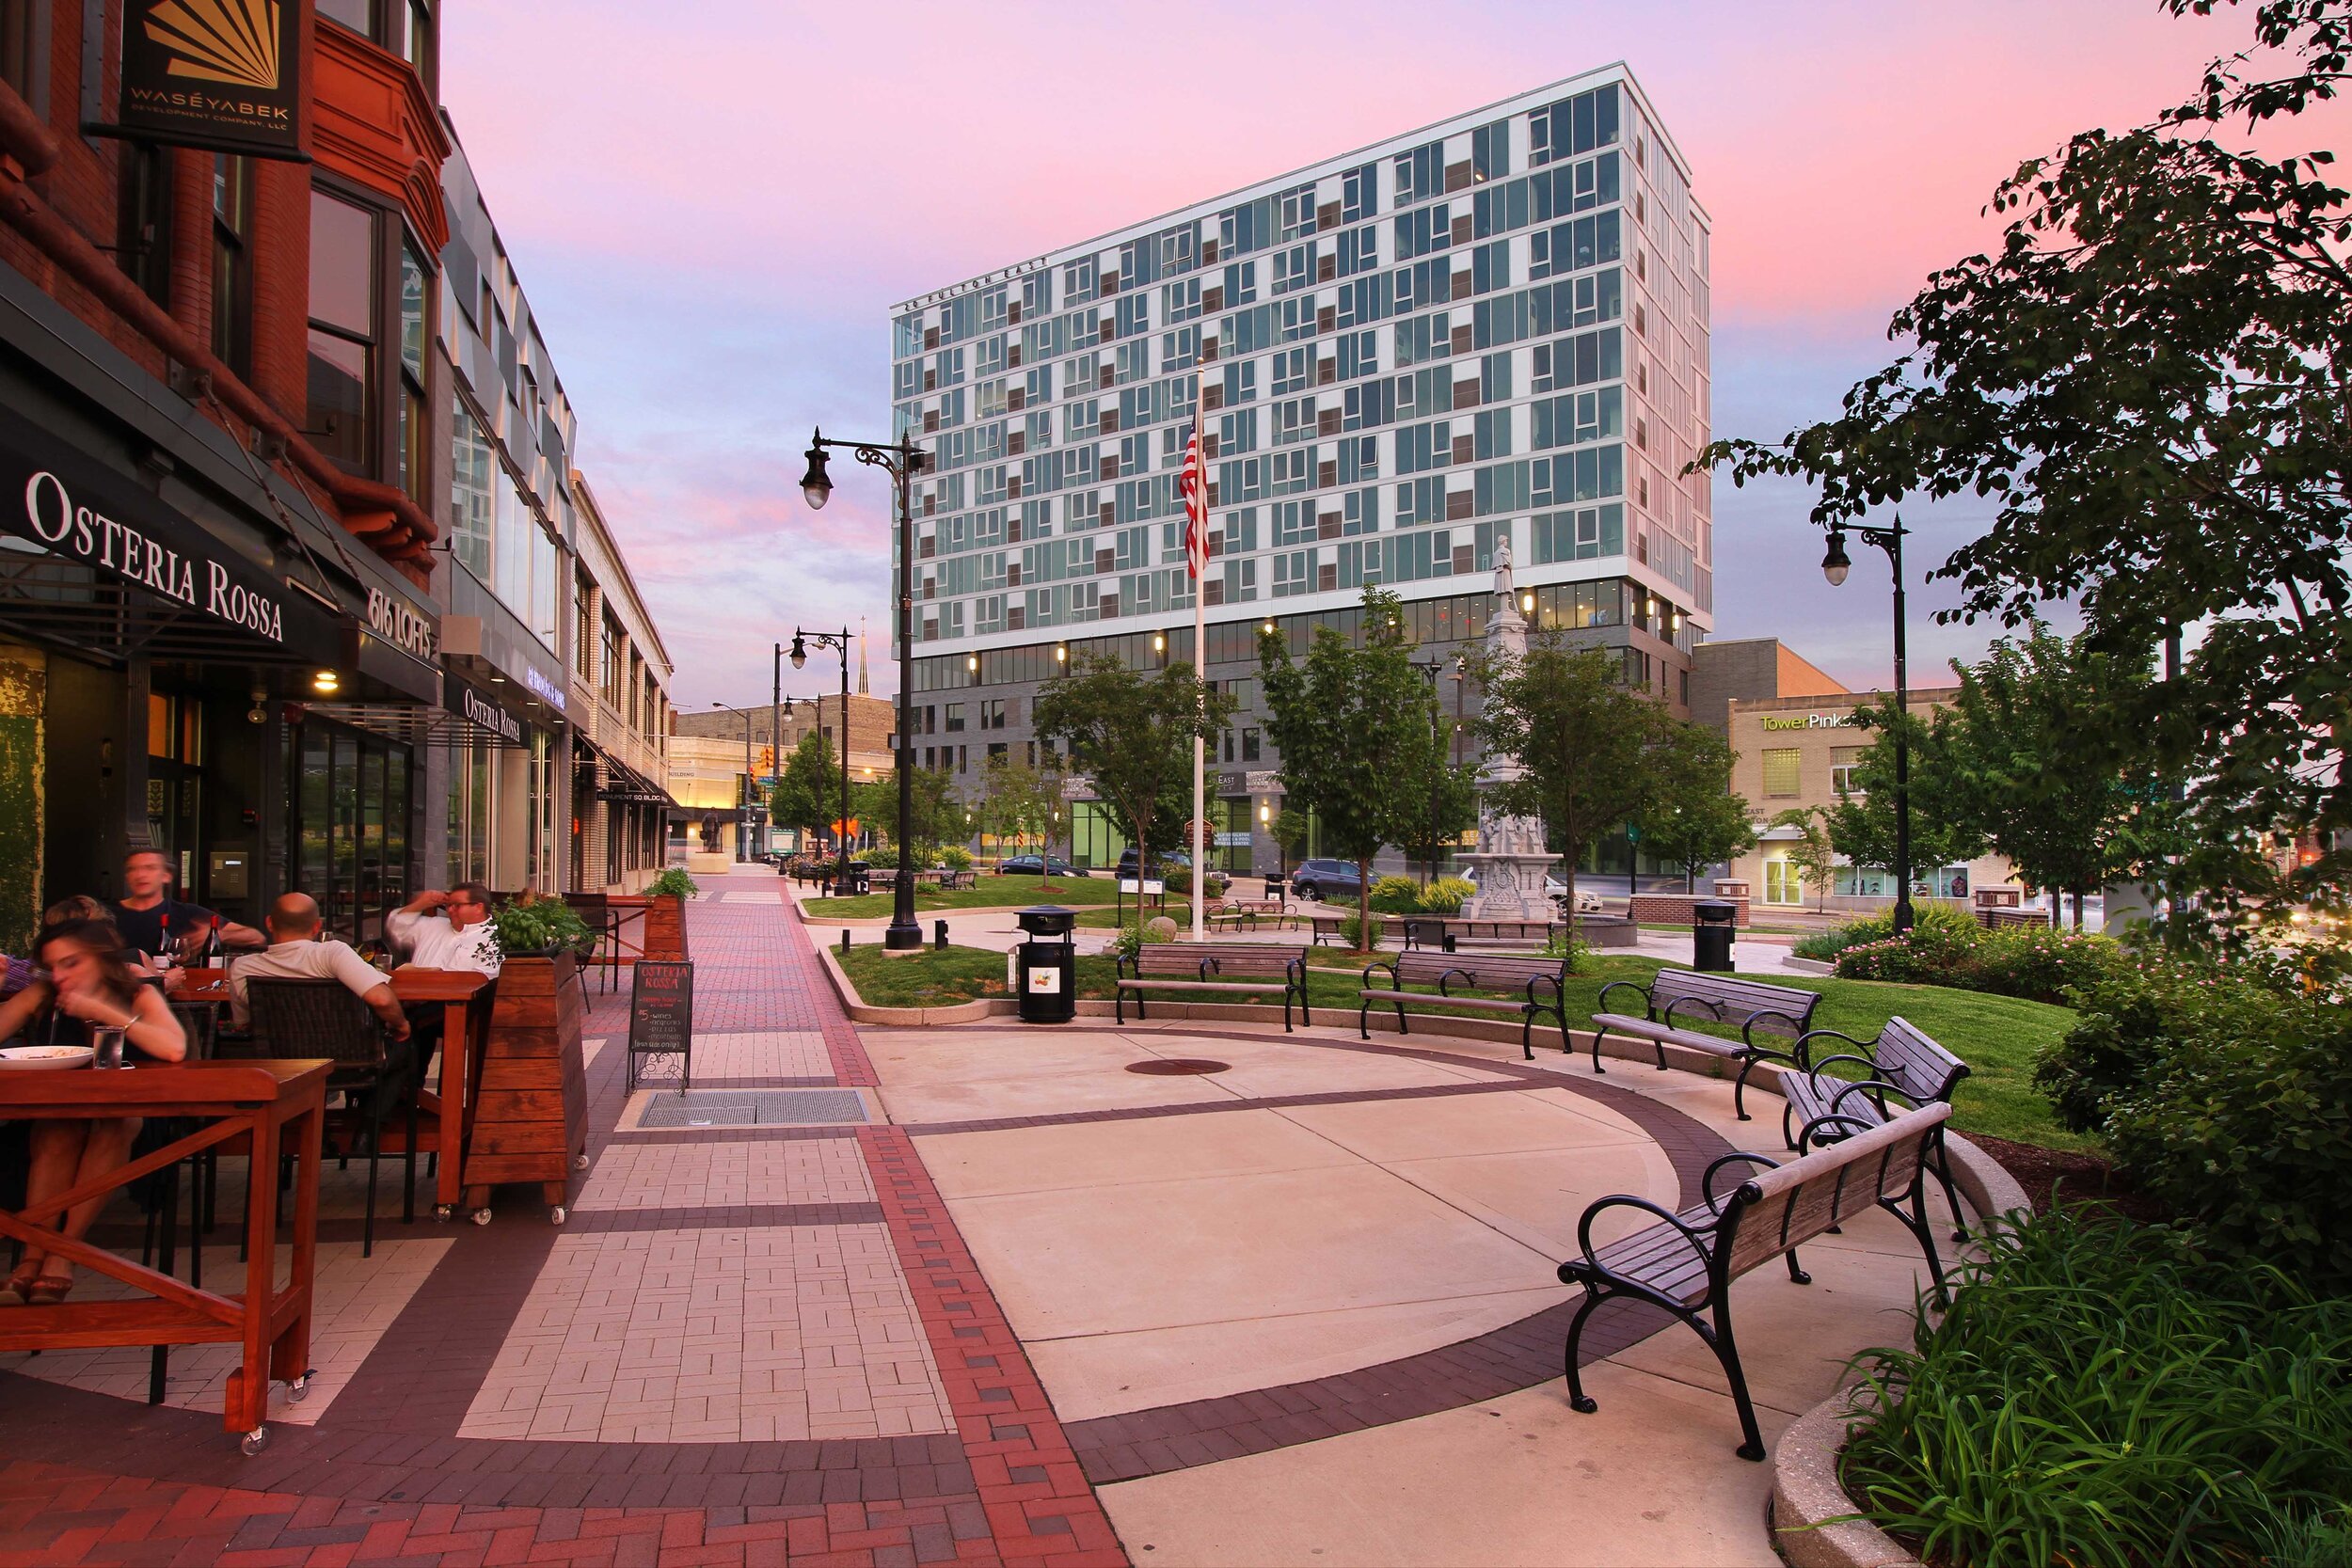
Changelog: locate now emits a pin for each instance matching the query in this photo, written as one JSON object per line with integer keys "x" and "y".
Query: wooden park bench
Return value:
{"x": 1539, "y": 979}
{"x": 1226, "y": 966}
{"x": 1686, "y": 1262}
{"x": 1452, "y": 932}
{"x": 1754, "y": 1007}
{"x": 1245, "y": 914}
{"x": 1902, "y": 1062}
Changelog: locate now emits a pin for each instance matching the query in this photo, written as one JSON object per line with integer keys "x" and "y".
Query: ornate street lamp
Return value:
{"x": 839, "y": 642}
{"x": 901, "y": 460}
{"x": 1835, "y": 566}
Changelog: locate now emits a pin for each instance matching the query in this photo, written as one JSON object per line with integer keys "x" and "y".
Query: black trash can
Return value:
{"x": 1712, "y": 923}
{"x": 861, "y": 880}
{"x": 1045, "y": 967}
{"x": 1274, "y": 886}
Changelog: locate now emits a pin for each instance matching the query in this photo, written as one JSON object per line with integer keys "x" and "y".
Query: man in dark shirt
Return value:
{"x": 150, "y": 920}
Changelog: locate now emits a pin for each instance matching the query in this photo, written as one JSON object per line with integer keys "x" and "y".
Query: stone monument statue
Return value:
{"x": 1511, "y": 860}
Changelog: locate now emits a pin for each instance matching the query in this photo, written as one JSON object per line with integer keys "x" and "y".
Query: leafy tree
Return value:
{"x": 1814, "y": 856}
{"x": 1342, "y": 717}
{"x": 1449, "y": 796}
{"x": 2147, "y": 379}
{"x": 1945, "y": 827}
{"x": 938, "y": 815}
{"x": 1590, "y": 744}
{"x": 1692, "y": 820}
{"x": 1018, "y": 800}
{"x": 808, "y": 796}
{"x": 2034, "y": 763}
{"x": 1132, "y": 735}
{"x": 1290, "y": 833}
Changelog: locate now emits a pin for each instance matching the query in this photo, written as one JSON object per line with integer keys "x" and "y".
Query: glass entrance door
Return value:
{"x": 1782, "y": 883}
{"x": 351, "y": 827}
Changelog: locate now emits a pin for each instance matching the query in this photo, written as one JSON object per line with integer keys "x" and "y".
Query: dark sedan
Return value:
{"x": 1037, "y": 865}
{"x": 1315, "y": 880}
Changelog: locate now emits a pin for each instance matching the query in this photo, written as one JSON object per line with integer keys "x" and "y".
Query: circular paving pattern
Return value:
{"x": 1178, "y": 1066}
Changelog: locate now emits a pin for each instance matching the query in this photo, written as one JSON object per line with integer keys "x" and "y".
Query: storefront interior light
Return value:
{"x": 1527, "y": 604}
{"x": 972, "y": 663}
{"x": 327, "y": 680}
{"x": 1267, "y": 625}
{"x": 1061, "y": 653}
{"x": 1159, "y": 642}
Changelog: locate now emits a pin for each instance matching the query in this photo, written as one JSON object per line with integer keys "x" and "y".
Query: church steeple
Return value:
{"x": 863, "y": 687}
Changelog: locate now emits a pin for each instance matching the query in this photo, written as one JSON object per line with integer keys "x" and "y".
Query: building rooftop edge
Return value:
{"x": 1624, "y": 74}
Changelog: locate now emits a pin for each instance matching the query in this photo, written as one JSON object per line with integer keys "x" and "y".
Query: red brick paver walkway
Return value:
{"x": 389, "y": 1473}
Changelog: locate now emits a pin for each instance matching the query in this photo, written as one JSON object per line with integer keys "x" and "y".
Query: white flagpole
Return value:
{"x": 1200, "y": 670}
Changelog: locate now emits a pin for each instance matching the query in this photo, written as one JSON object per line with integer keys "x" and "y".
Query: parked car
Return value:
{"x": 1170, "y": 860}
{"x": 1037, "y": 865}
{"x": 1316, "y": 880}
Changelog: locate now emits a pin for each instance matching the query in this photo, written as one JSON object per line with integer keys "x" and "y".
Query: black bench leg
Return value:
{"x": 1579, "y": 1401}
{"x": 1661, "y": 1046}
{"x": 1118, "y": 1003}
{"x": 1363, "y": 1017}
{"x": 1943, "y": 1165}
{"x": 1915, "y": 1221}
{"x": 1796, "y": 1270}
{"x": 1527, "y": 1034}
{"x": 1727, "y": 1351}
{"x": 1599, "y": 1035}
{"x": 1738, "y": 1088}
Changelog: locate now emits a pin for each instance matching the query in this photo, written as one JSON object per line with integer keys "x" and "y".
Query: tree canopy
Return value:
{"x": 1017, "y": 801}
{"x": 1132, "y": 735}
{"x": 2148, "y": 380}
{"x": 808, "y": 795}
{"x": 1692, "y": 820}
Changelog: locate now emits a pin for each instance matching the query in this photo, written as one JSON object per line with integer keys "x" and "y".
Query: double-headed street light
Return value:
{"x": 1835, "y": 565}
{"x": 751, "y": 785}
{"x": 901, "y": 460}
{"x": 839, "y": 642}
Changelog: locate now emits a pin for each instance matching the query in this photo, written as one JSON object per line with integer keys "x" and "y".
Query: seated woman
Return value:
{"x": 87, "y": 987}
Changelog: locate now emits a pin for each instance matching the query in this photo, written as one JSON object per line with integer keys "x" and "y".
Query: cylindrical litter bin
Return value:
{"x": 1712, "y": 923}
{"x": 1045, "y": 967}
{"x": 861, "y": 880}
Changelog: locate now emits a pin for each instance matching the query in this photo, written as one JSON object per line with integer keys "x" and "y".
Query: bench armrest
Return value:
{"x": 1878, "y": 1089}
{"x": 1806, "y": 1040}
{"x": 1690, "y": 1233}
{"x": 1393, "y": 982}
{"x": 1601, "y": 1002}
{"x": 1559, "y": 997}
{"x": 1208, "y": 965}
{"x": 1714, "y": 1012}
{"x": 1747, "y": 1036}
{"x": 1863, "y": 1062}
{"x": 1707, "y": 1178}
{"x": 1443, "y": 990}
{"x": 1807, "y": 1139}
{"x": 1119, "y": 961}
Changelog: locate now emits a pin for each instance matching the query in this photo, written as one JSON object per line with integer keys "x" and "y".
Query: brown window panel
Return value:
{"x": 1326, "y": 475}
{"x": 1109, "y": 329}
{"x": 931, "y": 504}
{"x": 1466, "y": 394}
{"x": 1326, "y": 372}
{"x": 931, "y": 380}
{"x": 1208, "y": 350}
{"x": 1108, "y": 470}
{"x": 1327, "y": 215}
{"x": 1012, "y": 313}
{"x": 1212, "y": 495}
{"x": 926, "y": 547}
{"x": 1327, "y": 318}
{"x": 1457, "y": 176}
{"x": 1208, "y": 443}
{"x": 1017, "y": 399}
{"x": 1108, "y": 607}
{"x": 1462, "y": 560}
{"x": 1109, "y": 513}
{"x": 1327, "y": 422}
{"x": 1110, "y": 283}
{"x": 1326, "y": 578}
{"x": 931, "y": 588}
{"x": 1105, "y": 377}
{"x": 1016, "y": 443}
{"x": 931, "y": 337}
{"x": 1462, "y": 229}
{"x": 1208, "y": 251}
{"x": 1013, "y": 574}
{"x": 1463, "y": 450}
{"x": 1457, "y": 505}
{"x": 1213, "y": 298}
{"x": 1110, "y": 421}
{"x": 1013, "y": 531}
{"x": 930, "y": 420}
{"x": 1213, "y": 591}
{"x": 1327, "y": 268}
{"x": 1213, "y": 397}
{"x": 1461, "y": 285}
{"x": 1102, "y": 560}
{"x": 1216, "y": 543}
{"x": 1462, "y": 339}
{"x": 1016, "y": 616}
{"x": 1327, "y": 525}
{"x": 1013, "y": 353}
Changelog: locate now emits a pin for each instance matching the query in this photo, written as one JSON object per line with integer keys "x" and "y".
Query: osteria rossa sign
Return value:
{"x": 81, "y": 532}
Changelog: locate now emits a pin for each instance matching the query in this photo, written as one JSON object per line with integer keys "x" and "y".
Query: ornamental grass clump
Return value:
{"x": 2100, "y": 1393}
{"x": 1447, "y": 894}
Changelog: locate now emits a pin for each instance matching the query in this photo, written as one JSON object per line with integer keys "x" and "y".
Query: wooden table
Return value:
{"x": 465, "y": 997}
{"x": 280, "y": 1107}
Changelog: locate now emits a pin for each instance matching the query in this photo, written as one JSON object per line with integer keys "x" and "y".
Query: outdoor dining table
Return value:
{"x": 465, "y": 997}
{"x": 276, "y": 1107}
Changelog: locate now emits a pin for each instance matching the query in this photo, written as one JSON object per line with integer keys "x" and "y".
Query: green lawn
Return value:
{"x": 1997, "y": 1036}
{"x": 994, "y": 891}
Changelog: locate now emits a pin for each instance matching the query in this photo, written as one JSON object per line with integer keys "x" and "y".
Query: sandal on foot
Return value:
{"x": 48, "y": 1290}
{"x": 18, "y": 1290}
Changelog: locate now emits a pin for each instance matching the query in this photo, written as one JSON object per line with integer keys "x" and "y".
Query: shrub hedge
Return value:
{"x": 2032, "y": 962}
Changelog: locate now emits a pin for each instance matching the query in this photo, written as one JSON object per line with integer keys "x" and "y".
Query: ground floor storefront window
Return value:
{"x": 350, "y": 827}
{"x": 502, "y": 815}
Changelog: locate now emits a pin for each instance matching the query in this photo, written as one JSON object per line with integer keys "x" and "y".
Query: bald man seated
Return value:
{"x": 296, "y": 952}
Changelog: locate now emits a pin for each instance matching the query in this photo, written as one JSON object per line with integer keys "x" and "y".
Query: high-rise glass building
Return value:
{"x": 1492, "y": 327}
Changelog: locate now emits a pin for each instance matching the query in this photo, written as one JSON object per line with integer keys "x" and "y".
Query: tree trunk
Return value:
{"x": 1567, "y": 880}
{"x": 1363, "y": 908}
{"x": 2078, "y": 910}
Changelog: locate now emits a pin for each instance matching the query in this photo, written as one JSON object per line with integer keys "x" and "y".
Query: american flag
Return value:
{"x": 1192, "y": 484}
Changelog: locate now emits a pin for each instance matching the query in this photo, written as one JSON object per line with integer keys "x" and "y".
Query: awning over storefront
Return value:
{"x": 616, "y": 780}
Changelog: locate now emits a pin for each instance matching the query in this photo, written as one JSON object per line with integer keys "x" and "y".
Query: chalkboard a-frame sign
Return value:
{"x": 661, "y": 1016}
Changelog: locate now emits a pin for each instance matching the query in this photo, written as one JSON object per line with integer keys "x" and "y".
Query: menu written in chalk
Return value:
{"x": 661, "y": 1012}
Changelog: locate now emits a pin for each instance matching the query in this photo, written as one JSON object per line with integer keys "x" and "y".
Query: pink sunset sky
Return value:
{"x": 713, "y": 205}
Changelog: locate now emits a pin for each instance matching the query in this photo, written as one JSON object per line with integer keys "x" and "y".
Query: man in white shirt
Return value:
{"x": 296, "y": 952}
{"x": 448, "y": 931}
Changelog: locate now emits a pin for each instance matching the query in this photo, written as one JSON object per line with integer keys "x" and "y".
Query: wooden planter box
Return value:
{"x": 665, "y": 928}
{"x": 530, "y": 1119}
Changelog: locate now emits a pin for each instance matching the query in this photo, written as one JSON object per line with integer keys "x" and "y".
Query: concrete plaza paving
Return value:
{"x": 1039, "y": 1306}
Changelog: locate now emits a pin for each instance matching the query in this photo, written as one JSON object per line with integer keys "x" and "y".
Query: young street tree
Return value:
{"x": 1811, "y": 852}
{"x": 1692, "y": 820}
{"x": 2146, "y": 379}
{"x": 1449, "y": 796}
{"x": 937, "y": 818}
{"x": 808, "y": 796}
{"x": 1017, "y": 801}
{"x": 1588, "y": 742}
{"x": 1132, "y": 736}
{"x": 1342, "y": 719}
{"x": 1945, "y": 830}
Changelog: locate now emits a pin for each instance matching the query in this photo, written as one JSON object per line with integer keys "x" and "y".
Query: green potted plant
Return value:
{"x": 665, "y": 913}
{"x": 672, "y": 883}
{"x": 539, "y": 929}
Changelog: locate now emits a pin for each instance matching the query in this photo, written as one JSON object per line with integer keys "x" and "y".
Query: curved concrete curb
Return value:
{"x": 962, "y": 1012}
{"x": 1983, "y": 1180}
{"x": 1806, "y": 1491}
{"x": 1810, "y": 966}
